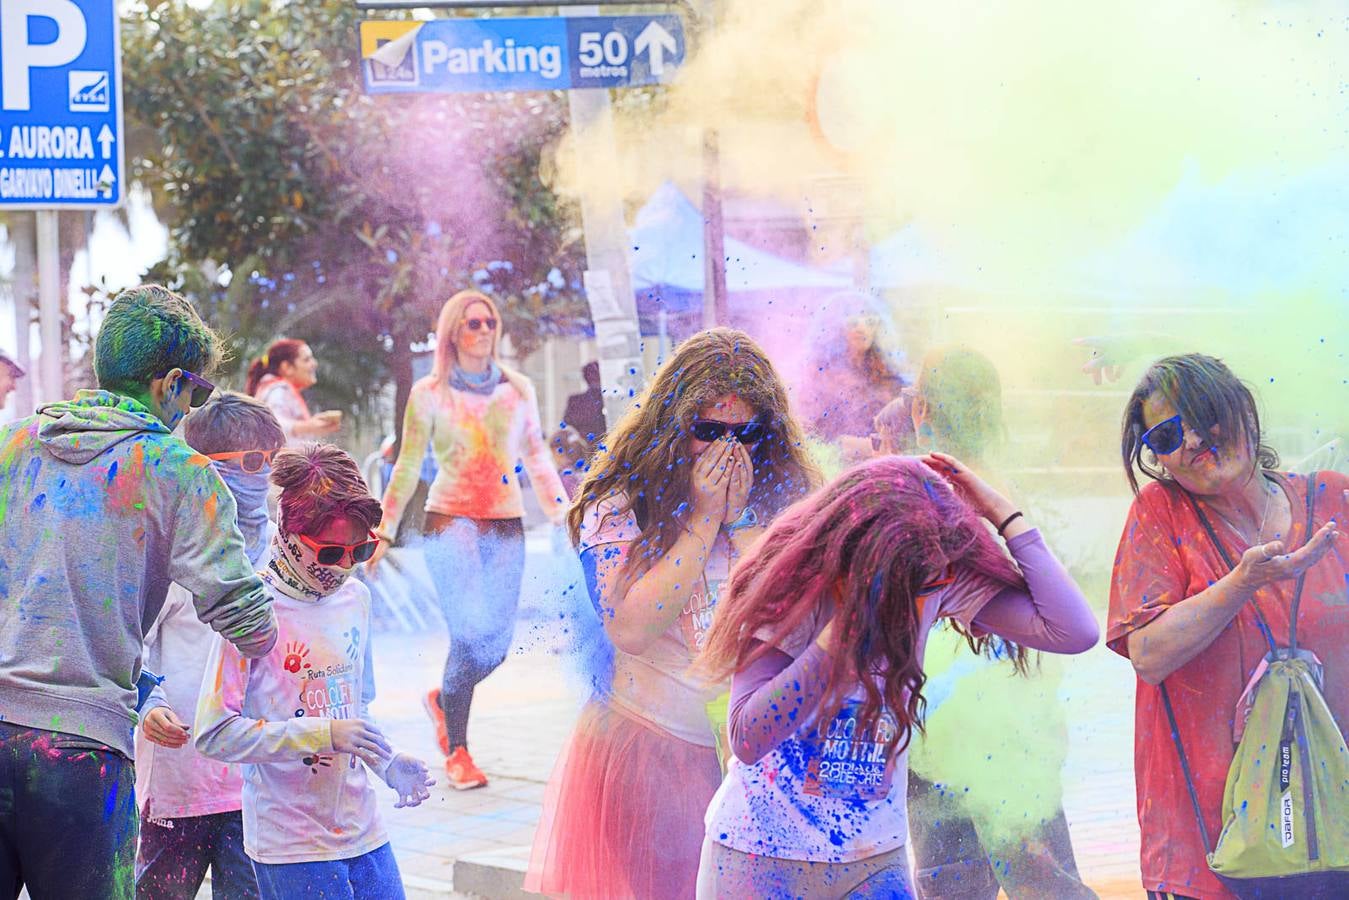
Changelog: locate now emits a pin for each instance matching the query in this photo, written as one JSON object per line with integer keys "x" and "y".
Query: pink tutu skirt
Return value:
{"x": 623, "y": 814}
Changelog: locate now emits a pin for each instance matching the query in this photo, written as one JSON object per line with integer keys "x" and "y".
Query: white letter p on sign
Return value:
{"x": 18, "y": 57}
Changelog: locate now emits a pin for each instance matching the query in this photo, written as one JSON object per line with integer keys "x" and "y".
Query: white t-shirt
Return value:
{"x": 302, "y": 802}
{"x": 655, "y": 686}
{"x": 832, "y": 795}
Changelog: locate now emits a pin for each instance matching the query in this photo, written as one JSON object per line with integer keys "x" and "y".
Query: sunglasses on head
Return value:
{"x": 201, "y": 388}
{"x": 708, "y": 430}
{"x": 476, "y": 324}
{"x": 333, "y": 554}
{"x": 1165, "y": 437}
{"x": 251, "y": 461}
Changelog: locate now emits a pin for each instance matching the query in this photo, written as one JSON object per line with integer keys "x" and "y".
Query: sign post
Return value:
{"x": 60, "y": 134}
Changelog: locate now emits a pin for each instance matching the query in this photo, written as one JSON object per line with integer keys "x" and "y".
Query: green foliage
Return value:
{"x": 298, "y": 205}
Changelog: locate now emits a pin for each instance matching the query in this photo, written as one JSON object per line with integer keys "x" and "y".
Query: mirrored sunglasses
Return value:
{"x": 251, "y": 461}
{"x": 333, "y": 554}
{"x": 709, "y": 430}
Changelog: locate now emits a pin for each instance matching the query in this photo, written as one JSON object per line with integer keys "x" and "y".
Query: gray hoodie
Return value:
{"x": 101, "y": 507}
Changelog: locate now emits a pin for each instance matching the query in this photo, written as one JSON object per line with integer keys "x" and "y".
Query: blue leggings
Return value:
{"x": 372, "y": 875}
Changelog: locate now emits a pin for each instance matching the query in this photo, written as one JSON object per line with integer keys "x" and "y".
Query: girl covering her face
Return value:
{"x": 706, "y": 455}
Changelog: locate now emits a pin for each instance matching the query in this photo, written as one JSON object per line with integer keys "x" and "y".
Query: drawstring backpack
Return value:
{"x": 1285, "y": 809}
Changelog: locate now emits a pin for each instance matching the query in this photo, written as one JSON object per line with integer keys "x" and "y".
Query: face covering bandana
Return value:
{"x": 250, "y": 496}
{"x": 295, "y": 572}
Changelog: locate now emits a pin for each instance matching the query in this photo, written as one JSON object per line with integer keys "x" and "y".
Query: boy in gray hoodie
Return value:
{"x": 101, "y": 507}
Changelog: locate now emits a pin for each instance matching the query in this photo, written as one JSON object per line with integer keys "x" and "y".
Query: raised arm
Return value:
{"x": 1051, "y": 614}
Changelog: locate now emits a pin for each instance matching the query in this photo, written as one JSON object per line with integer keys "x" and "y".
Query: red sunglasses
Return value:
{"x": 333, "y": 554}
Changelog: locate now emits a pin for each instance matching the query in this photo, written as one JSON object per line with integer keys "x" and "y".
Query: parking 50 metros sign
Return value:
{"x": 520, "y": 54}
{"x": 60, "y": 104}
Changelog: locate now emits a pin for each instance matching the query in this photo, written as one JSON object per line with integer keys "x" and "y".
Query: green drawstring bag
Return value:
{"x": 1285, "y": 811}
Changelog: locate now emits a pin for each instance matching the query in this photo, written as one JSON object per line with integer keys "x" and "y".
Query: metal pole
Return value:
{"x": 21, "y": 231}
{"x": 716, "y": 308}
{"x": 49, "y": 306}
{"x": 617, "y": 335}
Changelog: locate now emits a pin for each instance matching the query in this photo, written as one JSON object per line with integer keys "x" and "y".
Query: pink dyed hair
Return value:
{"x": 862, "y": 547}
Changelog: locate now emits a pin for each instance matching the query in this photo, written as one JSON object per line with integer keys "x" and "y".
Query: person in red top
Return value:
{"x": 1182, "y": 617}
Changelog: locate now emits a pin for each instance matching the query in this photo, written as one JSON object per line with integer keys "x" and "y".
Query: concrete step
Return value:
{"x": 498, "y": 874}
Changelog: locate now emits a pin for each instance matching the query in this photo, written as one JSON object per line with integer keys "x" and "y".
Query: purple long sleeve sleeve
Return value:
{"x": 771, "y": 698}
{"x": 1051, "y": 614}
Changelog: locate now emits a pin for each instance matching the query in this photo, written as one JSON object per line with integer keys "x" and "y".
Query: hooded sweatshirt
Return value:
{"x": 101, "y": 507}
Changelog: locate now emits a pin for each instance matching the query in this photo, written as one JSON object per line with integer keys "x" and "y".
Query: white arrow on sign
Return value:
{"x": 105, "y": 180}
{"x": 105, "y": 139}
{"x": 655, "y": 42}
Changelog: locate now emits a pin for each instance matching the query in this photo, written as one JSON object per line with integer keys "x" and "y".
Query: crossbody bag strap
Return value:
{"x": 1227, "y": 558}
{"x": 1185, "y": 768}
{"x": 1302, "y": 579}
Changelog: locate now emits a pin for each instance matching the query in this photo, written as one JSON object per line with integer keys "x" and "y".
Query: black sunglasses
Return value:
{"x": 201, "y": 388}
{"x": 475, "y": 324}
{"x": 745, "y": 432}
{"x": 1165, "y": 437}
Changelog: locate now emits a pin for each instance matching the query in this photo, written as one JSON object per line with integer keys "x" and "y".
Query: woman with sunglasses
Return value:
{"x": 298, "y": 718}
{"x": 1185, "y": 617}
{"x": 481, "y": 420}
{"x": 278, "y": 377}
{"x": 706, "y": 456}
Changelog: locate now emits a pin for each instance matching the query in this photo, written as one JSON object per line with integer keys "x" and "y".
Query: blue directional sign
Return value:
{"x": 487, "y": 55}
{"x": 60, "y": 104}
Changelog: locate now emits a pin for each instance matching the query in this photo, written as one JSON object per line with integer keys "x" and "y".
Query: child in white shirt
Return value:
{"x": 298, "y": 718}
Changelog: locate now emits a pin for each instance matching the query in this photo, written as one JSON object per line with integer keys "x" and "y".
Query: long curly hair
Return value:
{"x": 862, "y": 548}
{"x": 647, "y": 456}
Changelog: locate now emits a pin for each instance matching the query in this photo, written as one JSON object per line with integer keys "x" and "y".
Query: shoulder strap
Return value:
{"x": 1185, "y": 768}
{"x": 1302, "y": 579}
{"x": 1227, "y": 558}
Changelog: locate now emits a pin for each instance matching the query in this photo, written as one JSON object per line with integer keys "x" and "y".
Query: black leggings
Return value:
{"x": 477, "y": 566}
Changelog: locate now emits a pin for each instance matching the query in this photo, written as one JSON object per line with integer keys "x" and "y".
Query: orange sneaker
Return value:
{"x": 431, "y": 703}
{"x": 463, "y": 773}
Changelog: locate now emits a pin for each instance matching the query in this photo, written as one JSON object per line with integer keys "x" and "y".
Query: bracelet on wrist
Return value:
{"x": 1008, "y": 521}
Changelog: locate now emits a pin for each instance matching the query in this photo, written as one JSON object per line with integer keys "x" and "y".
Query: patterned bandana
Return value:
{"x": 295, "y": 572}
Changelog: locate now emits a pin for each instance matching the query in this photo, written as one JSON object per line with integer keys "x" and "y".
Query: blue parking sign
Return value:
{"x": 60, "y": 104}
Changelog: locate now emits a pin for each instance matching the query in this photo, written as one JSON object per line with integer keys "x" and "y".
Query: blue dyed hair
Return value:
{"x": 147, "y": 331}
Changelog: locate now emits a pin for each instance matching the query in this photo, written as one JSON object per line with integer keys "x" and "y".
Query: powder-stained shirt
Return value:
{"x": 101, "y": 507}
{"x": 479, "y": 442}
{"x": 655, "y": 685}
{"x": 1164, "y": 557}
{"x": 178, "y": 782}
{"x": 825, "y": 790}
{"x": 286, "y": 403}
{"x": 302, "y": 802}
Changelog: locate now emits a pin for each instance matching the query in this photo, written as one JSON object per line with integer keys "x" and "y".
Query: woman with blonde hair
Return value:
{"x": 701, "y": 461}
{"x": 480, "y": 418}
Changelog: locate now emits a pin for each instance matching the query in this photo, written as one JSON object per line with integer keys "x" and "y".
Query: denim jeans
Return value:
{"x": 175, "y": 854}
{"x": 67, "y": 816}
{"x": 370, "y": 876}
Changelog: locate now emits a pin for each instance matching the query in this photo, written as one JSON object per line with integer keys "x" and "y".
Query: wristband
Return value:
{"x": 1008, "y": 521}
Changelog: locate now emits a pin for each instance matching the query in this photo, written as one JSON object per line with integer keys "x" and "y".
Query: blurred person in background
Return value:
{"x": 585, "y": 411}
{"x": 975, "y": 827}
{"x": 481, "y": 419}
{"x": 1182, "y": 615}
{"x": 10, "y": 373}
{"x": 278, "y": 377}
